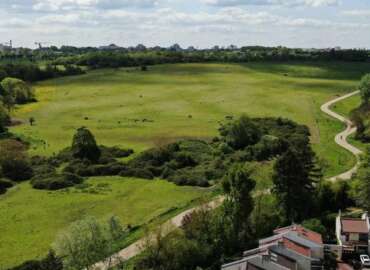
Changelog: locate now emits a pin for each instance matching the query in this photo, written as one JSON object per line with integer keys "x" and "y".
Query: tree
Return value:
{"x": 17, "y": 91}
{"x": 241, "y": 133}
{"x": 364, "y": 88}
{"x": 239, "y": 204}
{"x": 88, "y": 241}
{"x": 363, "y": 194}
{"x": 84, "y": 145}
{"x": 293, "y": 186}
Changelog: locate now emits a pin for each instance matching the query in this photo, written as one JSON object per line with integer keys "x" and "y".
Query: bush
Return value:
{"x": 115, "y": 152}
{"x": 189, "y": 178}
{"x": 17, "y": 170}
{"x": 139, "y": 173}
{"x": 56, "y": 182}
{"x": 4, "y": 185}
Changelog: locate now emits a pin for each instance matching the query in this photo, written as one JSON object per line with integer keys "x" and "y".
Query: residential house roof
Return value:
{"x": 303, "y": 232}
{"x": 260, "y": 262}
{"x": 352, "y": 225}
{"x": 295, "y": 237}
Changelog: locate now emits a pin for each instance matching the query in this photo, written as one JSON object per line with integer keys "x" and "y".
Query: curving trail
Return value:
{"x": 341, "y": 138}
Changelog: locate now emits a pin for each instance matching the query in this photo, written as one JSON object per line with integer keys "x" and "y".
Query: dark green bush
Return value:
{"x": 139, "y": 173}
{"x": 5, "y": 184}
{"x": 17, "y": 170}
{"x": 56, "y": 182}
{"x": 115, "y": 152}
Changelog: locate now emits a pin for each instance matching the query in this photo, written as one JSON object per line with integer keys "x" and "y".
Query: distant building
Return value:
{"x": 293, "y": 248}
{"x": 353, "y": 234}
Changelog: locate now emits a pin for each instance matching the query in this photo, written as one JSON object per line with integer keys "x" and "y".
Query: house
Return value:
{"x": 353, "y": 234}
{"x": 293, "y": 248}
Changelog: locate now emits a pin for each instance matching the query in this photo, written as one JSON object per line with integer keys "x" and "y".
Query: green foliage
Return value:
{"x": 14, "y": 162}
{"x": 4, "y": 185}
{"x": 4, "y": 118}
{"x": 363, "y": 188}
{"x": 88, "y": 241}
{"x": 315, "y": 225}
{"x": 293, "y": 186}
{"x": 56, "y": 181}
{"x": 16, "y": 91}
{"x": 84, "y": 145}
{"x": 238, "y": 186}
{"x": 364, "y": 88}
{"x": 241, "y": 133}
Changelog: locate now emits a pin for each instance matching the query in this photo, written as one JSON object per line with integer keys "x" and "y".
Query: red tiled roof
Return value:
{"x": 354, "y": 225}
{"x": 303, "y": 232}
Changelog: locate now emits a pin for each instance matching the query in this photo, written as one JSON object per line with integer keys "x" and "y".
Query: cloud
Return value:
{"x": 54, "y": 5}
{"x": 357, "y": 13}
{"x": 308, "y": 3}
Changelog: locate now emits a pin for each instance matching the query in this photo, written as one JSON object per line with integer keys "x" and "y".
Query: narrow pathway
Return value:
{"x": 137, "y": 247}
{"x": 341, "y": 138}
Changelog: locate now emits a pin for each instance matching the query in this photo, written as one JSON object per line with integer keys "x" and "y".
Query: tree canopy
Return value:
{"x": 84, "y": 145}
{"x": 364, "y": 88}
{"x": 15, "y": 91}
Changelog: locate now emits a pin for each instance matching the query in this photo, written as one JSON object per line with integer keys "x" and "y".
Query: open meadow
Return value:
{"x": 137, "y": 109}
{"x": 132, "y": 108}
{"x": 30, "y": 219}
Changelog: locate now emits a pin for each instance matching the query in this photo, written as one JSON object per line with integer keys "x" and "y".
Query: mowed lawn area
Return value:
{"x": 131, "y": 108}
{"x": 31, "y": 219}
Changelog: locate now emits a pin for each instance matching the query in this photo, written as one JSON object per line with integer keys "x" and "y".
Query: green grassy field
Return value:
{"x": 30, "y": 219}
{"x": 116, "y": 104}
{"x": 130, "y": 108}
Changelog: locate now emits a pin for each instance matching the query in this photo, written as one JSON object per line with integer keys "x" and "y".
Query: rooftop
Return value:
{"x": 353, "y": 225}
{"x": 303, "y": 232}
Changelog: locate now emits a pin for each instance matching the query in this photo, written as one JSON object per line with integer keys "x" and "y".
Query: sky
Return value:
{"x": 199, "y": 23}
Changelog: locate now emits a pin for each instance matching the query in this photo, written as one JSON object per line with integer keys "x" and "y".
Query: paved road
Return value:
{"x": 341, "y": 138}
{"x": 137, "y": 247}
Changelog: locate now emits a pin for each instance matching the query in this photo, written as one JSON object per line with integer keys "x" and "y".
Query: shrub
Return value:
{"x": 17, "y": 170}
{"x": 4, "y": 185}
{"x": 56, "y": 182}
{"x": 139, "y": 173}
{"x": 115, "y": 152}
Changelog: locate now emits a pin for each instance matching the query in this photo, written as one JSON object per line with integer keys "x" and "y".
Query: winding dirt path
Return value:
{"x": 341, "y": 138}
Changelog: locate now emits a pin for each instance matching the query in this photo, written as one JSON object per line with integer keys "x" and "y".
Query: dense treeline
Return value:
{"x": 31, "y": 72}
{"x": 100, "y": 59}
